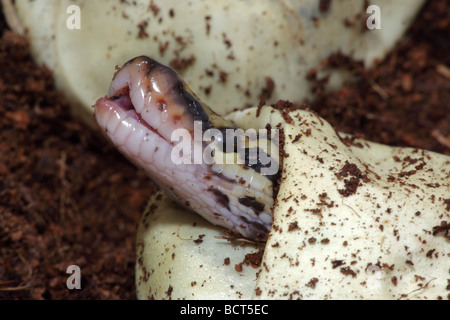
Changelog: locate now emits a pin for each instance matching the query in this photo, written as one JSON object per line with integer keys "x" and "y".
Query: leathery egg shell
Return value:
{"x": 353, "y": 220}
{"x": 230, "y": 52}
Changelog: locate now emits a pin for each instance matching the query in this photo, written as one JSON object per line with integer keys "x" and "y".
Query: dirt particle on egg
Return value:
{"x": 267, "y": 91}
{"x": 348, "y": 272}
{"x": 312, "y": 283}
{"x": 180, "y": 64}
{"x": 226, "y": 41}
{"x": 142, "y": 30}
{"x": 199, "y": 239}
{"x": 337, "y": 263}
{"x": 293, "y": 226}
{"x": 154, "y": 8}
{"x": 324, "y": 5}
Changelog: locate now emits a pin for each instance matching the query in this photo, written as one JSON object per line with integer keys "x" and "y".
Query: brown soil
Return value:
{"x": 68, "y": 198}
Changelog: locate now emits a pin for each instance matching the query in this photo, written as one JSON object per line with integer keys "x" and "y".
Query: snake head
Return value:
{"x": 201, "y": 160}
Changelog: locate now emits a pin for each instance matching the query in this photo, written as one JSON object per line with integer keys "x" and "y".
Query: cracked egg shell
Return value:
{"x": 353, "y": 220}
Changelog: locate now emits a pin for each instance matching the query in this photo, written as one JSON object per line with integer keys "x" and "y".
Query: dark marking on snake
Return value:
{"x": 259, "y": 228}
{"x": 251, "y": 202}
{"x": 220, "y": 197}
{"x": 257, "y": 164}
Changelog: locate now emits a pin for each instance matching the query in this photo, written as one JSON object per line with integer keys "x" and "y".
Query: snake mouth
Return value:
{"x": 141, "y": 110}
{"x": 119, "y": 103}
{"x": 125, "y": 102}
{"x": 126, "y": 128}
